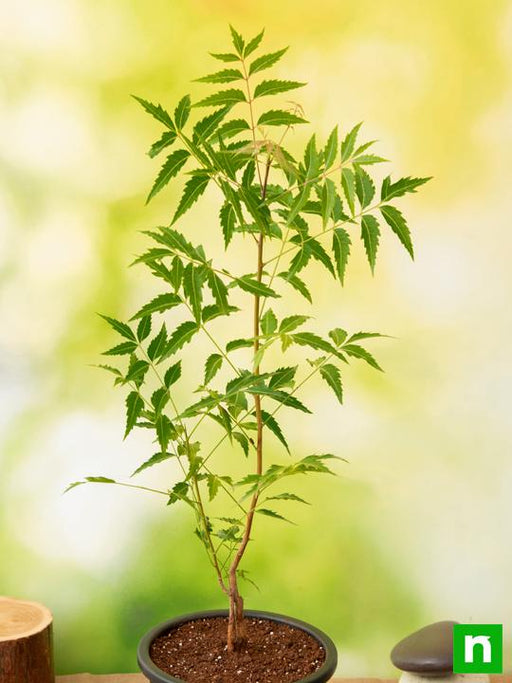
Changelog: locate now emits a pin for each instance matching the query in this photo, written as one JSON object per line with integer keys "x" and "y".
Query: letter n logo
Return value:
{"x": 478, "y": 648}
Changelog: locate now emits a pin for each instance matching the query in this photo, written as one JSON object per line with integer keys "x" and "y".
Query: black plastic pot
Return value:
{"x": 156, "y": 675}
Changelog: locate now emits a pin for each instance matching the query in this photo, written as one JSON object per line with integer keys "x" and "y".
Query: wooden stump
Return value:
{"x": 26, "y": 653}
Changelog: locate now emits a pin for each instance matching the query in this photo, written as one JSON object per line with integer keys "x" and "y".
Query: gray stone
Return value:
{"x": 427, "y": 652}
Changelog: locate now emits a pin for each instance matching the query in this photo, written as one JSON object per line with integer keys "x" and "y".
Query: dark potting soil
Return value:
{"x": 196, "y": 652}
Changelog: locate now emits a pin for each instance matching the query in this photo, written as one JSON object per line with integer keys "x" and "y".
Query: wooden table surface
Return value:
{"x": 139, "y": 678}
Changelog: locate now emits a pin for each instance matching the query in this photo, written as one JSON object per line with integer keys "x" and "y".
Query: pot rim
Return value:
{"x": 149, "y": 668}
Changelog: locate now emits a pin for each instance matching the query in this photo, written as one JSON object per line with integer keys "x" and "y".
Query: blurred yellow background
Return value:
{"x": 417, "y": 527}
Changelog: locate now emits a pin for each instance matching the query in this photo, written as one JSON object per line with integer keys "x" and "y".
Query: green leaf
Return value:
{"x": 327, "y": 199}
{"x": 173, "y": 374}
{"x": 278, "y": 117}
{"x": 397, "y": 223}
{"x": 205, "y": 128}
{"x": 109, "y": 368}
{"x": 224, "y": 76}
{"x": 227, "y": 220}
{"x": 121, "y": 349}
{"x": 365, "y": 189}
{"x": 232, "y": 128}
{"x": 280, "y": 396}
{"x": 134, "y": 406}
{"x": 298, "y": 284}
{"x": 153, "y": 460}
{"x": 158, "y": 344}
{"x": 252, "y": 286}
{"x": 341, "y": 248}
{"x": 253, "y": 44}
{"x": 364, "y": 335}
{"x": 212, "y": 366}
{"x": 331, "y": 149}
{"x": 243, "y": 441}
{"x": 268, "y": 322}
{"x": 368, "y": 159}
{"x": 213, "y": 486}
{"x": 273, "y": 514}
{"x": 164, "y": 430}
{"x": 219, "y": 290}
{"x": 159, "y": 399}
{"x": 331, "y": 374}
{"x": 194, "y": 188}
{"x": 170, "y": 169}
{"x": 315, "y": 342}
{"x": 357, "y": 351}
{"x": 318, "y": 252}
{"x": 136, "y": 371}
{"x": 123, "y": 329}
{"x": 156, "y": 111}
{"x": 165, "y": 141}
{"x": 348, "y": 144}
{"x": 212, "y": 311}
{"x": 292, "y": 322}
{"x": 225, "y": 56}
{"x": 161, "y": 303}
{"x": 238, "y": 41}
{"x": 182, "y": 112}
{"x": 266, "y": 61}
{"x": 288, "y": 496}
{"x": 271, "y": 423}
{"x": 100, "y": 480}
{"x": 282, "y": 377}
{"x": 338, "y": 336}
{"x": 181, "y": 336}
{"x": 144, "y": 328}
{"x": 349, "y": 187}
{"x": 192, "y": 286}
{"x": 370, "y": 234}
{"x": 225, "y": 97}
{"x": 274, "y": 86}
{"x": 400, "y": 187}
{"x": 239, "y": 344}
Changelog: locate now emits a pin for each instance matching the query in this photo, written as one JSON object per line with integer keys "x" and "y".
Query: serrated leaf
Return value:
{"x": 331, "y": 149}
{"x": 327, "y": 198}
{"x": 338, "y": 335}
{"x": 144, "y": 328}
{"x": 225, "y": 56}
{"x": 268, "y": 322}
{"x": 365, "y": 189}
{"x": 349, "y": 187}
{"x": 400, "y": 187}
{"x": 122, "y": 328}
{"x": 291, "y": 323}
{"x": 239, "y": 344}
{"x": 224, "y": 76}
{"x": 341, "y": 248}
{"x": 157, "y": 111}
{"x": 273, "y": 514}
{"x": 170, "y": 169}
{"x": 212, "y": 311}
{"x": 159, "y": 399}
{"x": 280, "y": 396}
{"x": 134, "y": 407}
{"x": 100, "y": 480}
{"x": 228, "y": 97}
{"x": 282, "y": 377}
{"x": 278, "y": 117}
{"x": 208, "y": 125}
{"x": 121, "y": 349}
{"x": 219, "y": 290}
{"x": 348, "y": 144}
{"x": 243, "y": 441}
{"x": 212, "y": 366}
{"x": 158, "y": 344}
{"x": 182, "y": 112}
{"x": 161, "y": 303}
{"x": 181, "y": 336}
{"x": 364, "y": 335}
{"x": 167, "y": 139}
{"x": 153, "y": 460}
{"x": 288, "y": 496}
{"x": 136, "y": 371}
{"x": 252, "y": 286}
{"x": 163, "y": 430}
{"x": 368, "y": 159}
{"x": 227, "y": 221}
{"x": 213, "y": 486}
{"x": 266, "y": 61}
{"x": 238, "y": 41}
{"x": 274, "y": 87}
{"x": 318, "y": 252}
{"x": 271, "y": 423}
{"x": 370, "y": 234}
{"x": 192, "y": 287}
{"x": 396, "y": 222}
{"x": 232, "y": 128}
{"x": 298, "y": 284}
{"x": 172, "y": 374}
{"x": 331, "y": 375}
{"x": 357, "y": 351}
{"x": 253, "y": 44}
{"x": 110, "y": 369}
{"x": 194, "y": 188}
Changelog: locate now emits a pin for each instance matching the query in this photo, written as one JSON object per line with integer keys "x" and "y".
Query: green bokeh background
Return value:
{"x": 417, "y": 526}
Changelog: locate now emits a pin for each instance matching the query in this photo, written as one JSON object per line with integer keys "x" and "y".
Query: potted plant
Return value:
{"x": 293, "y": 213}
